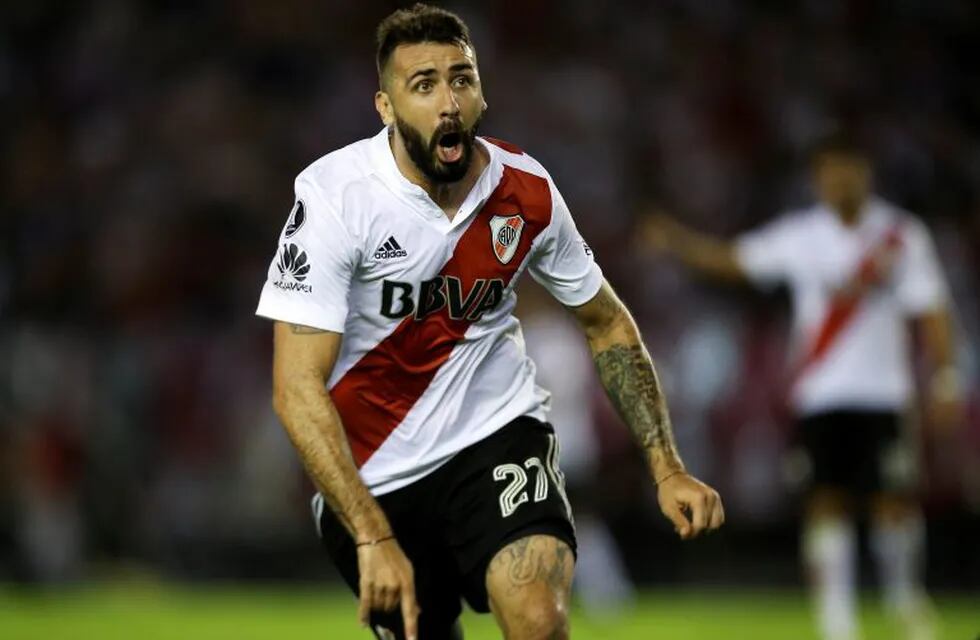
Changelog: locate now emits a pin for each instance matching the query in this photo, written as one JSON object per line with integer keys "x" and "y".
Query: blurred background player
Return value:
{"x": 858, "y": 269}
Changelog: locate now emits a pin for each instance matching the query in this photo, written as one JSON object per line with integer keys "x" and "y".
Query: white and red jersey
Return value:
{"x": 867, "y": 363}
{"x": 432, "y": 359}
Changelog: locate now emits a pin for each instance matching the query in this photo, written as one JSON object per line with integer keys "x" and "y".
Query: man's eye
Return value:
{"x": 425, "y": 85}
{"x": 462, "y": 81}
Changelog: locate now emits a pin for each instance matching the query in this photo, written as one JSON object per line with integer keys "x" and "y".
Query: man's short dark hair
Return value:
{"x": 419, "y": 23}
{"x": 839, "y": 140}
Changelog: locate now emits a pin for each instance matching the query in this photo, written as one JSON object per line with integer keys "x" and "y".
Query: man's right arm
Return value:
{"x": 302, "y": 362}
{"x": 705, "y": 254}
{"x": 304, "y": 358}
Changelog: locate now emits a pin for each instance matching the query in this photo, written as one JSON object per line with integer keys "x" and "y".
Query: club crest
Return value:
{"x": 505, "y": 235}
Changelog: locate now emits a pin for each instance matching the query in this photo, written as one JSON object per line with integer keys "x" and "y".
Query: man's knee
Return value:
{"x": 539, "y": 618}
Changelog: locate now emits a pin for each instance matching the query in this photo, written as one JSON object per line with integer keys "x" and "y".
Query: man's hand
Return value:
{"x": 387, "y": 581}
{"x": 690, "y": 504}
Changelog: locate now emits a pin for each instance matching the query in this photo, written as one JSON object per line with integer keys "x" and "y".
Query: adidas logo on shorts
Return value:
{"x": 390, "y": 249}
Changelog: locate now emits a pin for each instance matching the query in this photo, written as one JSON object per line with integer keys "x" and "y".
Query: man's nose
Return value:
{"x": 450, "y": 106}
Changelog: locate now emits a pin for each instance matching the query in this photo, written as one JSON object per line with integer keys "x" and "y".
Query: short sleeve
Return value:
{"x": 920, "y": 285}
{"x": 310, "y": 276}
{"x": 563, "y": 263}
{"x": 766, "y": 254}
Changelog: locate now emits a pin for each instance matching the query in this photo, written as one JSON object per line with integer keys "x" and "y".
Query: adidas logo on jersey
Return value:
{"x": 389, "y": 250}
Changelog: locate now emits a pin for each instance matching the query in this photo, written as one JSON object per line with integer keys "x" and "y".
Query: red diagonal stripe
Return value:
{"x": 376, "y": 394}
{"x": 843, "y": 306}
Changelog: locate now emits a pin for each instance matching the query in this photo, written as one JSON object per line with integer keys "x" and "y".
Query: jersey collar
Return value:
{"x": 387, "y": 170}
{"x": 874, "y": 215}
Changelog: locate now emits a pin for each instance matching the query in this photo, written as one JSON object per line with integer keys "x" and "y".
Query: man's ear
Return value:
{"x": 383, "y": 105}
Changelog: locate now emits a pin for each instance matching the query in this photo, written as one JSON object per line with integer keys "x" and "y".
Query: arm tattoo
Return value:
{"x": 630, "y": 381}
{"x": 303, "y": 330}
{"x": 627, "y": 373}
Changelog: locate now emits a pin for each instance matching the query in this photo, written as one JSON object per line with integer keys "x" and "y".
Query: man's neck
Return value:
{"x": 448, "y": 195}
{"x": 850, "y": 213}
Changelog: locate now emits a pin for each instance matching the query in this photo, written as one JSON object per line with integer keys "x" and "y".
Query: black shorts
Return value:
{"x": 862, "y": 452}
{"x": 452, "y": 522}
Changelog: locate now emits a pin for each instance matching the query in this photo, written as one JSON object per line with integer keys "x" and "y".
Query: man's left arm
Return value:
{"x": 944, "y": 389}
{"x": 925, "y": 296}
{"x": 631, "y": 382}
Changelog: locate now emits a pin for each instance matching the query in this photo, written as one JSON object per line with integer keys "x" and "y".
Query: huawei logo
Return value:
{"x": 292, "y": 261}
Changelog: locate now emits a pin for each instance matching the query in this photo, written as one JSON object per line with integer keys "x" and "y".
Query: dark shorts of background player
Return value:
{"x": 451, "y": 523}
{"x": 860, "y": 452}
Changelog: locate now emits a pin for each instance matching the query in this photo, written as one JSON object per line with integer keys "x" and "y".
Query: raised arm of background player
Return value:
{"x": 630, "y": 380}
{"x": 717, "y": 258}
{"x": 302, "y": 362}
{"x": 709, "y": 256}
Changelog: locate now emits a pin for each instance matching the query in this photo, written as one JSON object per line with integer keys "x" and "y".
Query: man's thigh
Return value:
{"x": 529, "y": 585}
{"x": 504, "y": 488}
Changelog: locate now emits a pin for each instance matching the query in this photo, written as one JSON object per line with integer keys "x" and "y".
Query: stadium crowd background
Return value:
{"x": 147, "y": 154}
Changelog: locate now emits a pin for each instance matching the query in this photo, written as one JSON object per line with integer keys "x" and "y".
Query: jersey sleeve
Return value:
{"x": 766, "y": 254}
{"x": 563, "y": 263}
{"x": 920, "y": 284}
{"x": 310, "y": 276}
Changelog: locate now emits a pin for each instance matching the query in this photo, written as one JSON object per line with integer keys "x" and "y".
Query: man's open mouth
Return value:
{"x": 450, "y": 147}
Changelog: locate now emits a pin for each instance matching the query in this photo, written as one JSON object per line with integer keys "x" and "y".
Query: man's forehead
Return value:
{"x": 408, "y": 58}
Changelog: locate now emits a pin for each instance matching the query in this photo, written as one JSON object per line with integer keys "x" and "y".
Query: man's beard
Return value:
{"x": 425, "y": 155}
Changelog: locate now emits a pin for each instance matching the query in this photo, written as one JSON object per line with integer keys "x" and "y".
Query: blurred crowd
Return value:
{"x": 147, "y": 154}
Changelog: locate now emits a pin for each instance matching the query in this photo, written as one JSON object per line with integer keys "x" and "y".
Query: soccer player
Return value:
{"x": 400, "y": 373}
{"x": 858, "y": 270}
